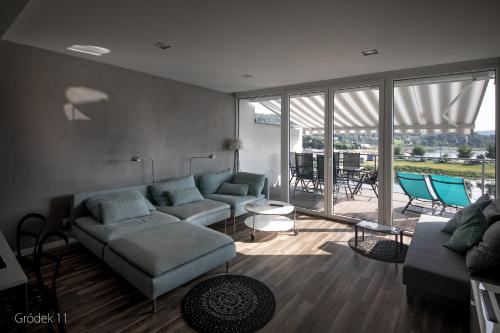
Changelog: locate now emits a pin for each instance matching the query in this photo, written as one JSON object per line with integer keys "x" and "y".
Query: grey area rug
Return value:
{"x": 380, "y": 248}
{"x": 228, "y": 303}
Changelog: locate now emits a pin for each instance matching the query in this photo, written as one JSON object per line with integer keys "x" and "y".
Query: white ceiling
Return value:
{"x": 279, "y": 42}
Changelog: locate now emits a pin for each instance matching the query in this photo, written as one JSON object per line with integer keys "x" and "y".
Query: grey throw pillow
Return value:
{"x": 184, "y": 196}
{"x": 159, "y": 190}
{"x": 492, "y": 211}
{"x": 470, "y": 232}
{"x": 124, "y": 208}
{"x": 92, "y": 203}
{"x": 484, "y": 258}
{"x": 233, "y": 189}
{"x": 464, "y": 214}
{"x": 210, "y": 182}
{"x": 255, "y": 182}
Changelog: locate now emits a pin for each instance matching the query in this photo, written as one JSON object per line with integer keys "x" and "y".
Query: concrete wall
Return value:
{"x": 49, "y": 151}
{"x": 262, "y": 144}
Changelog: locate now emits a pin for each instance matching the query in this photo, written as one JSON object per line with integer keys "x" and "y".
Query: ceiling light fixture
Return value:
{"x": 162, "y": 45}
{"x": 89, "y": 49}
{"x": 246, "y": 75}
{"x": 370, "y": 52}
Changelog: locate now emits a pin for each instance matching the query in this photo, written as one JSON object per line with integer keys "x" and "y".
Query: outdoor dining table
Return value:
{"x": 363, "y": 176}
{"x": 349, "y": 171}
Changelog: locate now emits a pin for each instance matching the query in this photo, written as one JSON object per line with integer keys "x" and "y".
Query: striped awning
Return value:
{"x": 426, "y": 105}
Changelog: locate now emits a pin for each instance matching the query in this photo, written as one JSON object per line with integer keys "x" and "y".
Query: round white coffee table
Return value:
{"x": 269, "y": 216}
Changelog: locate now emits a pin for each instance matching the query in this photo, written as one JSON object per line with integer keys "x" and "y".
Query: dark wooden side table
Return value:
{"x": 376, "y": 227}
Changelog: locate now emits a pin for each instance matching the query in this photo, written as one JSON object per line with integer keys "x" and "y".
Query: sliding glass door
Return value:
{"x": 306, "y": 158}
{"x": 355, "y": 153}
{"x": 341, "y": 149}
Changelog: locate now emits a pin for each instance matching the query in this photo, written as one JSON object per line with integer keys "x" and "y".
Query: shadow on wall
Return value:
{"x": 78, "y": 96}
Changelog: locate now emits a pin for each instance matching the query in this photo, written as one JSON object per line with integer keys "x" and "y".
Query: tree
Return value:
{"x": 398, "y": 150}
{"x": 490, "y": 151}
{"x": 418, "y": 150}
{"x": 464, "y": 151}
{"x": 312, "y": 142}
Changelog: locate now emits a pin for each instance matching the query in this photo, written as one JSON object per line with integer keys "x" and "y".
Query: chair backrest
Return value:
{"x": 450, "y": 191}
{"x": 31, "y": 226}
{"x": 320, "y": 166}
{"x": 291, "y": 159}
{"x": 336, "y": 160}
{"x": 373, "y": 176}
{"x": 54, "y": 256}
{"x": 352, "y": 160}
{"x": 414, "y": 185}
{"x": 304, "y": 165}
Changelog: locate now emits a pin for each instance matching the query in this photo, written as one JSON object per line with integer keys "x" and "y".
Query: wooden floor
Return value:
{"x": 320, "y": 285}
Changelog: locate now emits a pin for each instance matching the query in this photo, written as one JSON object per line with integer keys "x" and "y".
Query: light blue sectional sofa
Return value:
{"x": 159, "y": 247}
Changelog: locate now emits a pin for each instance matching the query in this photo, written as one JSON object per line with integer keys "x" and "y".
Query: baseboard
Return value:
{"x": 51, "y": 245}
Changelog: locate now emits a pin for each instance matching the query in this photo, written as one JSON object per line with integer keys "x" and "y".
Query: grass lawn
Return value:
{"x": 450, "y": 169}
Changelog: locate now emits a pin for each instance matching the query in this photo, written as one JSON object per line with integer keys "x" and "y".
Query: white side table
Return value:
{"x": 269, "y": 216}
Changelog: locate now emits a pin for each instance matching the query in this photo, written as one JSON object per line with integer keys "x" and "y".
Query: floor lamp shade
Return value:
{"x": 236, "y": 145}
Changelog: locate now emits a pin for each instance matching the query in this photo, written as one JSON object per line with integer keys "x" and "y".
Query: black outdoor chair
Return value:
{"x": 292, "y": 166}
{"x": 30, "y": 226}
{"x": 340, "y": 179}
{"x": 304, "y": 170}
{"x": 319, "y": 181}
{"x": 42, "y": 298}
{"x": 351, "y": 160}
{"x": 369, "y": 178}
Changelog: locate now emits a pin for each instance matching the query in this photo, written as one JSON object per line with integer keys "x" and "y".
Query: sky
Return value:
{"x": 485, "y": 120}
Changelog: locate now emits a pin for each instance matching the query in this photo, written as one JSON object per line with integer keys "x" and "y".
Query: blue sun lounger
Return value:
{"x": 450, "y": 191}
{"x": 415, "y": 187}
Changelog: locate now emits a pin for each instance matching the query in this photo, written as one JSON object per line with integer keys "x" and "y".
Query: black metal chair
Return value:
{"x": 30, "y": 226}
{"x": 292, "y": 166}
{"x": 369, "y": 178}
{"x": 42, "y": 298}
{"x": 304, "y": 170}
{"x": 340, "y": 179}
{"x": 319, "y": 181}
{"x": 351, "y": 161}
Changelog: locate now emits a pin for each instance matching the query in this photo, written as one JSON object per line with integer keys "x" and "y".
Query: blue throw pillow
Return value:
{"x": 184, "y": 196}
{"x": 233, "y": 189}
{"x": 255, "y": 182}
{"x": 122, "y": 208}
{"x": 159, "y": 190}
{"x": 92, "y": 203}
{"x": 210, "y": 182}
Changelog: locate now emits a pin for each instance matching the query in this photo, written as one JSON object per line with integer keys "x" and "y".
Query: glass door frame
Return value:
{"x": 285, "y": 128}
{"x": 332, "y": 89}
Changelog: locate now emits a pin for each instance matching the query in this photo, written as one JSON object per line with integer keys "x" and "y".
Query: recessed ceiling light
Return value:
{"x": 370, "y": 52}
{"x": 162, "y": 45}
{"x": 89, "y": 49}
{"x": 246, "y": 75}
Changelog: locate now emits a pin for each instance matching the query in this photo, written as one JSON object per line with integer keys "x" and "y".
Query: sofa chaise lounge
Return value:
{"x": 163, "y": 246}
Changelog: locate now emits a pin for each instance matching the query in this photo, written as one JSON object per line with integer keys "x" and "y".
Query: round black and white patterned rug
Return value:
{"x": 379, "y": 248}
{"x": 228, "y": 303}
